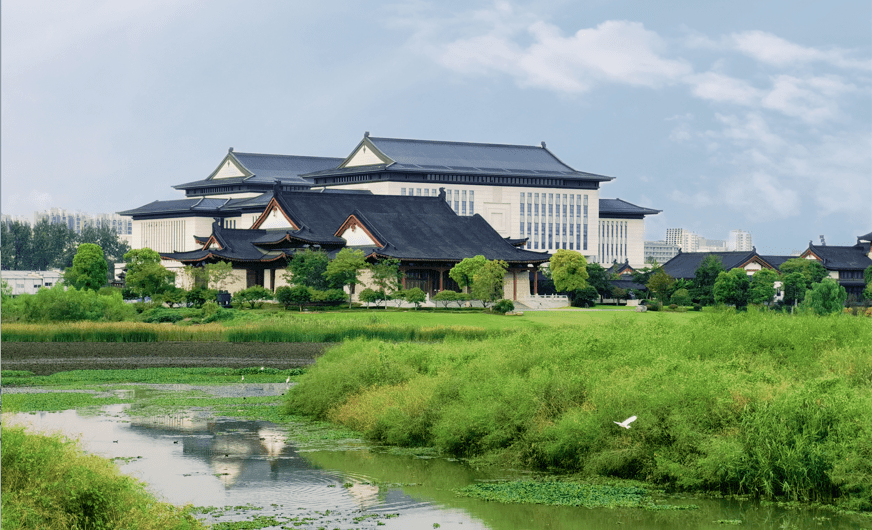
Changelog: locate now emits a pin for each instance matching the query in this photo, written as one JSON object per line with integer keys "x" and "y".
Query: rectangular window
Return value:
{"x": 471, "y": 202}
{"x": 402, "y": 191}
{"x": 448, "y": 196}
{"x": 418, "y": 192}
{"x": 456, "y": 204}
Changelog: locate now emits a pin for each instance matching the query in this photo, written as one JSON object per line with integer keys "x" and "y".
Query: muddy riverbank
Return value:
{"x": 44, "y": 358}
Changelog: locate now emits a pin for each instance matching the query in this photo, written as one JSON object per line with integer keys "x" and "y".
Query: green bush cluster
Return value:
{"x": 67, "y": 305}
{"x": 49, "y": 483}
{"x": 746, "y": 403}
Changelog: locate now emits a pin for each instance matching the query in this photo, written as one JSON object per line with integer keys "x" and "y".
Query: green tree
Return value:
{"x": 825, "y": 297}
{"x": 145, "y": 275}
{"x": 585, "y": 297}
{"x": 297, "y": 295}
{"x": 569, "y": 270}
{"x": 487, "y": 284}
{"x": 386, "y": 275}
{"x": 114, "y": 248}
{"x": 704, "y": 280}
{"x": 344, "y": 269}
{"x": 371, "y": 296}
{"x": 732, "y": 288}
{"x": 867, "y": 275}
{"x": 794, "y": 287}
{"x": 16, "y": 239}
{"x": 308, "y": 268}
{"x": 254, "y": 296}
{"x": 415, "y": 296}
{"x": 660, "y": 285}
{"x": 89, "y": 268}
{"x": 681, "y": 297}
{"x": 464, "y": 272}
{"x": 811, "y": 269}
{"x": 762, "y": 289}
{"x": 598, "y": 278}
{"x": 218, "y": 274}
{"x": 52, "y": 246}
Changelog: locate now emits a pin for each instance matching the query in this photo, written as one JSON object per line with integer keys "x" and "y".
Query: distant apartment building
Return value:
{"x": 660, "y": 251}
{"x": 739, "y": 240}
{"x": 76, "y": 221}
{"x": 688, "y": 241}
{"x": 13, "y": 218}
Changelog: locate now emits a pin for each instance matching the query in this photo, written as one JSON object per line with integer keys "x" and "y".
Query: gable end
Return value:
{"x": 274, "y": 216}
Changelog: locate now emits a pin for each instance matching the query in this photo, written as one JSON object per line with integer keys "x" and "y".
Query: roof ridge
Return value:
{"x": 453, "y": 142}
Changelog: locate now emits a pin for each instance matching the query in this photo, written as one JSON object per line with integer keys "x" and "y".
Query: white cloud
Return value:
{"x": 773, "y": 50}
{"x": 614, "y": 51}
{"x": 720, "y": 88}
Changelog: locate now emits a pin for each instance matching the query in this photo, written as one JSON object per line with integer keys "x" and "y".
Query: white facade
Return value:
{"x": 660, "y": 251}
{"x": 552, "y": 218}
{"x": 29, "y": 282}
{"x": 621, "y": 240}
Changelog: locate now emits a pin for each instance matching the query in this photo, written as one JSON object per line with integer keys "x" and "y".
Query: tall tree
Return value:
{"x": 345, "y": 267}
{"x": 811, "y": 269}
{"x": 386, "y": 276}
{"x": 762, "y": 289}
{"x": 487, "y": 284}
{"x": 89, "y": 268}
{"x": 598, "y": 278}
{"x": 308, "y": 268}
{"x": 794, "y": 287}
{"x": 660, "y": 285}
{"x": 114, "y": 248}
{"x": 569, "y": 270}
{"x": 825, "y": 297}
{"x": 732, "y": 288}
{"x": 464, "y": 272}
{"x": 704, "y": 280}
{"x": 51, "y": 244}
{"x": 145, "y": 275}
{"x": 16, "y": 238}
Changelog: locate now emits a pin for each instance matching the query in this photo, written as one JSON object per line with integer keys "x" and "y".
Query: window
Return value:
{"x": 471, "y": 202}
{"x": 402, "y": 191}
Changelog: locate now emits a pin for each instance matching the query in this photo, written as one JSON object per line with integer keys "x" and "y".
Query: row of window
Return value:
{"x": 613, "y": 241}
{"x": 163, "y": 236}
{"x": 461, "y": 201}
{"x": 554, "y": 220}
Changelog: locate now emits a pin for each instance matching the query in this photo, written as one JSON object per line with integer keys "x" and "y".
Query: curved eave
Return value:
{"x": 397, "y": 168}
{"x": 431, "y": 260}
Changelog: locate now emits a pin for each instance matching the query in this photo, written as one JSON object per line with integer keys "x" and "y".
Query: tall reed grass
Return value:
{"x": 763, "y": 404}
{"x": 49, "y": 483}
{"x": 289, "y": 330}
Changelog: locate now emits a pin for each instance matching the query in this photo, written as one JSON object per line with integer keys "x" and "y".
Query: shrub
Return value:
{"x": 159, "y": 315}
{"x": 298, "y": 296}
{"x": 254, "y": 296}
{"x": 504, "y": 306}
{"x": 697, "y": 307}
{"x": 415, "y": 296}
{"x": 200, "y": 295}
{"x": 681, "y": 297}
{"x": 60, "y": 305}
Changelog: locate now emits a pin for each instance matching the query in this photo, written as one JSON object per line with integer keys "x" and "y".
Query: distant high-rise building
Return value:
{"x": 13, "y": 218}
{"x": 76, "y": 221}
{"x": 660, "y": 251}
{"x": 739, "y": 240}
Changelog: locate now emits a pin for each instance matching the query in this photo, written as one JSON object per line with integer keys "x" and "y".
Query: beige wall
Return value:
{"x": 170, "y": 235}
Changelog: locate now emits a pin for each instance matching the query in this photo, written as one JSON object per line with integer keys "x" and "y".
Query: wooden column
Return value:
{"x": 514, "y": 284}
{"x": 441, "y": 276}
{"x": 536, "y": 282}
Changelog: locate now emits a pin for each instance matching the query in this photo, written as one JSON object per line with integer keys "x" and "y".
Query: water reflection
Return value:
{"x": 198, "y": 459}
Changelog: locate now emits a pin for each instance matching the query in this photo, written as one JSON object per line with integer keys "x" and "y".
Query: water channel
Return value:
{"x": 196, "y": 458}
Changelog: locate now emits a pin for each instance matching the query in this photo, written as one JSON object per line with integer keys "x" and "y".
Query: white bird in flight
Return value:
{"x": 243, "y": 379}
{"x": 288, "y": 380}
{"x": 626, "y": 423}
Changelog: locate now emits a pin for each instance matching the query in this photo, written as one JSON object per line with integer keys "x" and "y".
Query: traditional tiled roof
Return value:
{"x": 836, "y": 258}
{"x": 404, "y": 155}
{"x": 867, "y": 237}
{"x": 684, "y": 265}
{"x": 777, "y": 261}
{"x": 406, "y": 227}
{"x": 621, "y": 209}
{"x": 265, "y": 169}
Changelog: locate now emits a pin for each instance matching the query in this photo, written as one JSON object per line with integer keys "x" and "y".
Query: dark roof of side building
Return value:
{"x": 621, "y": 209}
{"x": 684, "y": 265}
{"x": 836, "y": 258}
{"x": 423, "y": 156}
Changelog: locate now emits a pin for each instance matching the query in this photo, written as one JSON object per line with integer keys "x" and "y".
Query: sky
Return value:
{"x": 724, "y": 115}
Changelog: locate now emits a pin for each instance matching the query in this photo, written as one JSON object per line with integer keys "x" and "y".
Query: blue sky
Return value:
{"x": 744, "y": 114}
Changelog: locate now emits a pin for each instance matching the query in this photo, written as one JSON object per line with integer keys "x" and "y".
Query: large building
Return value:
{"x": 525, "y": 193}
{"x": 76, "y": 221}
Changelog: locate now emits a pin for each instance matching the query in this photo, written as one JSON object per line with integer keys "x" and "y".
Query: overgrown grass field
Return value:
{"x": 756, "y": 403}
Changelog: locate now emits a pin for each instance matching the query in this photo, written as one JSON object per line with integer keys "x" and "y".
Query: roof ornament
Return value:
{"x": 442, "y": 194}
{"x": 543, "y": 144}
{"x": 230, "y": 150}
{"x": 366, "y": 134}
{"x": 277, "y": 187}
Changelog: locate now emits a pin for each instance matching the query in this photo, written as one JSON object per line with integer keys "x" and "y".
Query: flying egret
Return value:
{"x": 626, "y": 423}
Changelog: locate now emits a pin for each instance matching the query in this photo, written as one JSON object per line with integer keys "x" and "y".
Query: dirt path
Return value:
{"x": 45, "y": 358}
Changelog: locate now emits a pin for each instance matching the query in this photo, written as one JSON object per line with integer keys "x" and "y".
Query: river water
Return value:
{"x": 250, "y": 469}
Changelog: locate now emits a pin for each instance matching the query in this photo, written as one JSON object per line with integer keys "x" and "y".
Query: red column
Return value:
{"x": 441, "y": 275}
{"x": 514, "y": 285}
